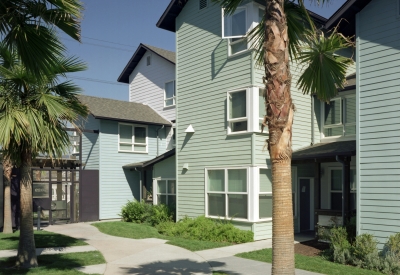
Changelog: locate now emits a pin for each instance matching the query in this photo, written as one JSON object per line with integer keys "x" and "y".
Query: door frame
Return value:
{"x": 311, "y": 201}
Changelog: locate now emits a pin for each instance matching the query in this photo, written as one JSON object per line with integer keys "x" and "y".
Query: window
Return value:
{"x": 169, "y": 95}
{"x": 265, "y": 196}
{"x": 132, "y": 138}
{"x": 203, "y": 4}
{"x": 336, "y": 189}
{"x": 261, "y": 108}
{"x": 340, "y": 117}
{"x": 237, "y": 25}
{"x": 227, "y": 193}
{"x": 166, "y": 192}
{"x": 148, "y": 60}
{"x": 237, "y": 113}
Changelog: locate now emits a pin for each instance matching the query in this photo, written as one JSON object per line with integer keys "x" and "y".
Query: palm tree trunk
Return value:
{"x": 280, "y": 111}
{"x": 26, "y": 249}
{"x": 7, "y": 167}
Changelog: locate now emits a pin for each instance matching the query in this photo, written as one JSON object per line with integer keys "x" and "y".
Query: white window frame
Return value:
{"x": 169, "y": 98}
{"x": 341, "y": 191}
{"x": 262, "y": 193}
{"x": 252, "y": 112}
{"x": 251, "y": 20}
{"x": 155, "y": 189}
{"x": 133, "y": 139}
{"x": 342, "y": 98}
{"x": 226, "y": 192}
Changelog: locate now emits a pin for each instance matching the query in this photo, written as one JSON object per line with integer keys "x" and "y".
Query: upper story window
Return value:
{"x": 245, "y": 110}
{"x": 339, "y": 116}
{"x": 237, "y": 111}
{"x": 169, "y": 94}
{"x": 237, "y": 25}
{"x": 132, "y": 138}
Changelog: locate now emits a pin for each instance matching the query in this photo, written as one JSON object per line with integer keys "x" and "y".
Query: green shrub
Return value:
{"x": 159, "y": 213}
{"x": 364, "y": 245}
{"x": 392, "y": 245}
{"x": 135, "y": 211}
{"x": 141, "y": 212}
{"x": 204, "y": 229}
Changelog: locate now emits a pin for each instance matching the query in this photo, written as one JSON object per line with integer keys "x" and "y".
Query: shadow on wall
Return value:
{"x": 218, "y": 58}
{"x": 133, "y": 179}
{"x": 92, "y": 138}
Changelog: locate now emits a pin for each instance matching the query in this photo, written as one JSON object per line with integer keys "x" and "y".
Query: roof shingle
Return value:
{"x": 111, "y": 109}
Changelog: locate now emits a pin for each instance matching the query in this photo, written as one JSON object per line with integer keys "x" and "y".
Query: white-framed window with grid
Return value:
{"x": 169, "y": 93}
{"x": 132, "y": 138}
{"x": 227, "y": 193}
{"x": 237, "y": 111}
{"x": 339, "y": 116}
{"x": 265, "y": 195}
{"x": 166, "y": 192}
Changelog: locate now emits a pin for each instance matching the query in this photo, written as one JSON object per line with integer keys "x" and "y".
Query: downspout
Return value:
{"x": 162, "y": 127}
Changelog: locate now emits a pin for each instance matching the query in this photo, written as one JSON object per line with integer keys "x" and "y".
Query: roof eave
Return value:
{"x": 132, "y": 121}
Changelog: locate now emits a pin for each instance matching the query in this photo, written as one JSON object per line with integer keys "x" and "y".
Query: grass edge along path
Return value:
{"x": 143, "y": 231}
{"x": 56, "y": 264}
{"x": 43, "y": 239}
{"x": 314, "y": 264}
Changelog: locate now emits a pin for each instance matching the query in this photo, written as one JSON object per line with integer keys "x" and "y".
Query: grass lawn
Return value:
{"x": 142, "y": 231}
{"x": 59, "y": 264}
{"x": 314, "y": 264}
{"x": 42, "y": 239}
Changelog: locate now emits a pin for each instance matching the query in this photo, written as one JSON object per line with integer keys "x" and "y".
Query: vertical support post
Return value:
{"x": 38, "y": 218}
{"x": 346, "y": 190}
{"x": 80, "y": 174}
{"x": 317, "y": 192}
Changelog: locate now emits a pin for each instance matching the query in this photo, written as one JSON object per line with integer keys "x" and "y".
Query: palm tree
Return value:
{"x": 28, "y": 26}
{"x": 324, "y": 73}
{"x": 7, "y": 167}
{"x": 33, "y": 116}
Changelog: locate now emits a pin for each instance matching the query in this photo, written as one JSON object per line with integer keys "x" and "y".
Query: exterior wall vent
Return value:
{"x": 203, "y": 4}
{"x": 149, "y": 60}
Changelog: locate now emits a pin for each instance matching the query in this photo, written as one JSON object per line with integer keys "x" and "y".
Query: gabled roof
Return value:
{"x": 124, "y": 111}
{"x": 347, "y": 13}
{"x": 167, "y": 19}
{"x": 137, "y": 56}
{"x": 150, "y": 162}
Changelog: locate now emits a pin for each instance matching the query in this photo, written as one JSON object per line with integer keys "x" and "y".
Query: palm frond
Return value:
{"x": 325, "y": 71}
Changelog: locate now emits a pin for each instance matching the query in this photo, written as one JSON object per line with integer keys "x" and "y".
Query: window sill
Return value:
{"x": 231, "y": 56}
{"x": 238, "y": 133}
{"x": 337, "y": 138}
{"x": 169, "y": 107}
{"x": 132, "y": 152}
{"x": 229, "y": 218}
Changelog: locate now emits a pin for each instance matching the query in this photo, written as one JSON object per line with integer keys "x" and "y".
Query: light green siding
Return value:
{"x": 165, "y": 168}
{"x": 118, "y": 185}
{"x": 378, "y": 43}
{"x": 262, "y": 230}
{"x": 204, "y": 75}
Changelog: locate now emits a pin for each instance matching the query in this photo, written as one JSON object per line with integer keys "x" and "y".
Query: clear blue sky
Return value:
{"x": 111, "y": 32}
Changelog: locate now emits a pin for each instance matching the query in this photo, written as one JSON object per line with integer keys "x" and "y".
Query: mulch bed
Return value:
{"x": 310, "y": 248}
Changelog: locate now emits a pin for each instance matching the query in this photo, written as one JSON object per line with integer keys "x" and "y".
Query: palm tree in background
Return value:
{"x": 287, "y": 33}
{"x": 29, "y": 27}
{"x": 33, "y": 116}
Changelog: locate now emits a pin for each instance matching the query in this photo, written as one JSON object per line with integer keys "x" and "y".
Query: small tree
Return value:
{"x": 33, "y": 117}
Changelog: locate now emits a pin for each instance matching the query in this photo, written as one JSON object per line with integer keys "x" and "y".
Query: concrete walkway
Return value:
{"x": 154, "y": 256}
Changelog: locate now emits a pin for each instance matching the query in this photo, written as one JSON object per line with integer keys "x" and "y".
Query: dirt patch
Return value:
{"x": 310, "y": 248}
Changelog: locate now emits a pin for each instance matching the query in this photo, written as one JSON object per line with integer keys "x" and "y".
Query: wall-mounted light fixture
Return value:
{"x": 189, "y": 129}
{"x": 186, "y": 166}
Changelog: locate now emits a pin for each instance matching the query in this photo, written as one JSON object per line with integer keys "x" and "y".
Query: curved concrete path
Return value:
{"x": 154, "y": 256}
{"x": 130, "y": 256}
